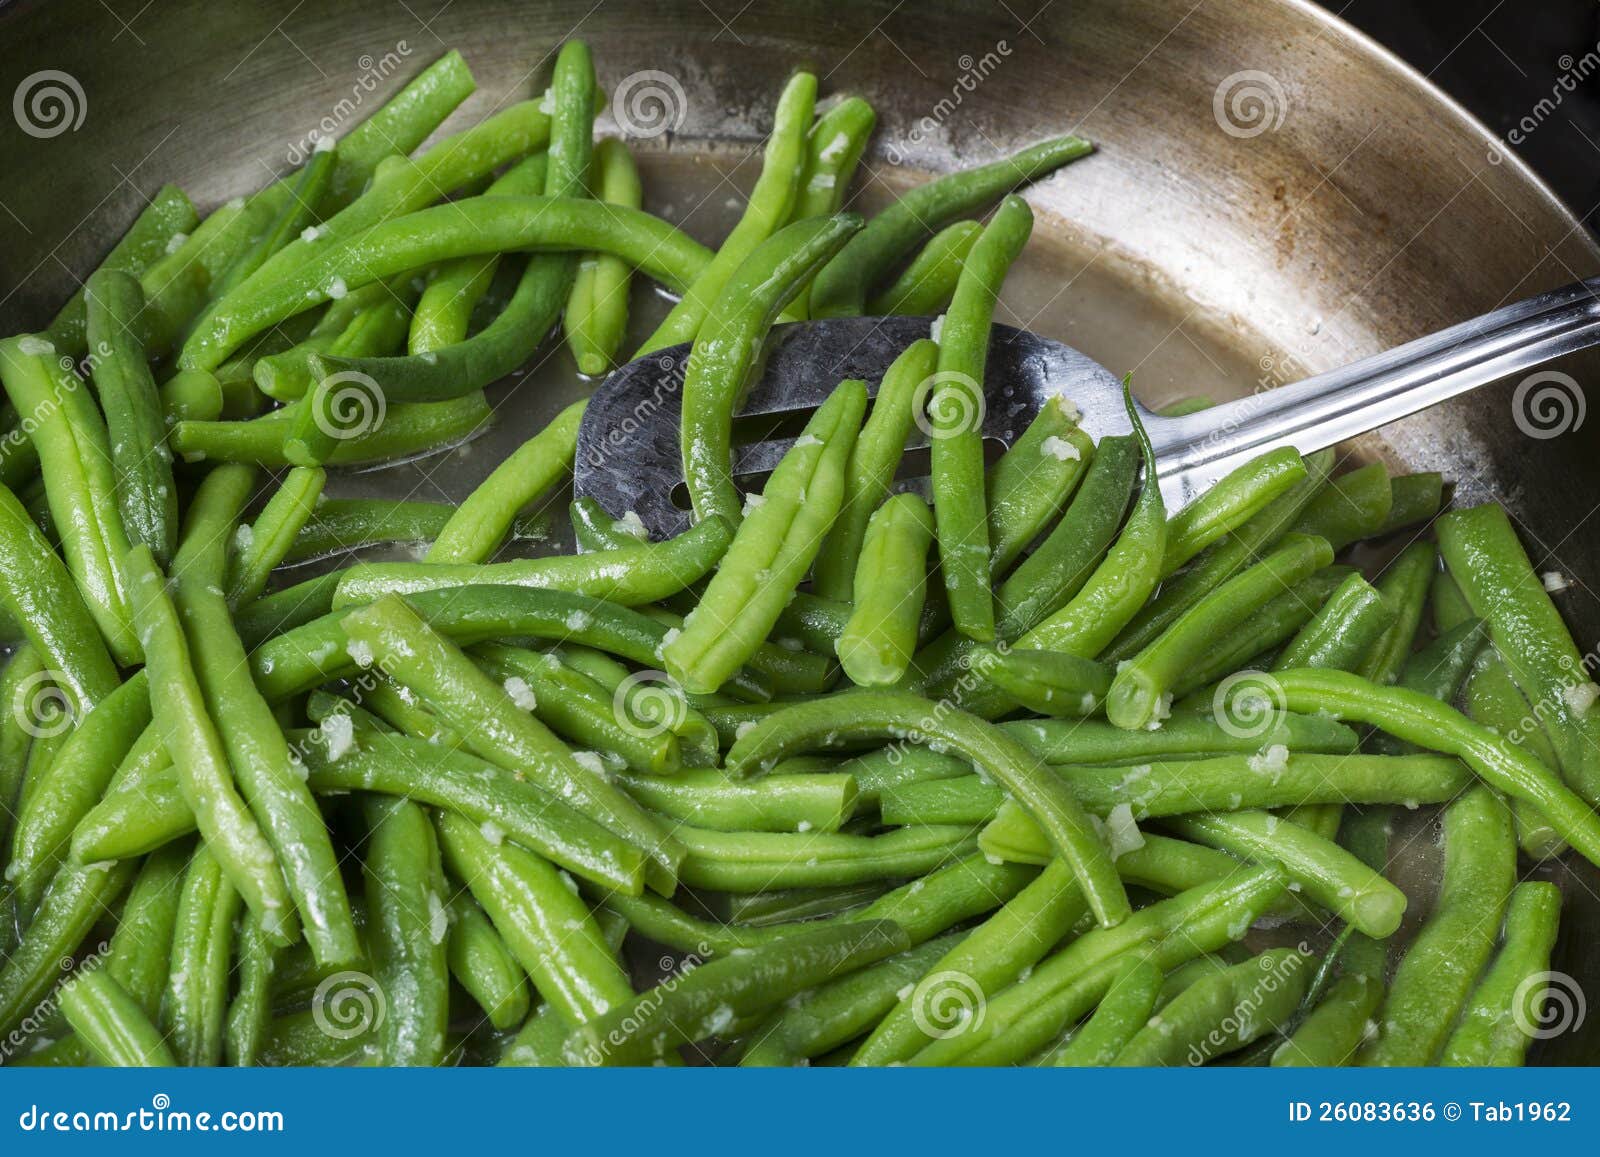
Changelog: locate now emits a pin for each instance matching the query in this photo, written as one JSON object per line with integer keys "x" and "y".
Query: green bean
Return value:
{"x": 927, "y": 284}
{"x": 986, "y": 960}
{"x": 1326, "y": 872}
{"x": 955, "y": 411}
{"x": 481, "y": 521}
{"x": 299, "y": 1039}
{"x": 1482, "y": 554}
{"x": 297, "y": 213}
{"x": 406, "y": 431}
{"x": 1123, "y": 580}
{"x": 765, "y": 214}
{"x": 1220, "y": 561}
{"x": 573, "y": 705}
{"x": 136, "y": 431}
{"x": 1049, "y": 682}
{"x": 597, "y": 310}
{"x": 390, "y": 634}
{"x": 70, "y": 786}
{"x": 23, "y": 672}
{"x": 75, "y": 458}
{"x": 1507, "y": 1007}
{"x": 543, "y": 921}
{"x": 168, "y": 215}
{"x": 1141, "y": 691}
{"x": 463, "y": 228}
{"x": 1034, "y": 479}
{"x": 645, "y": 703}
{"x": 202, "y": 944}
{"x": 726, "y": 351}
{"x": 191, "y": 396}
{"x": 484, "y": 966}
{"x": 1235, "y": 498}
{"x": 403, "y": 123}
{"x": 60, "y": 629}
{"x": 756, "y": 861}
{"x": 842, "y": 286}
{"x": 1353, "y": 506}
{"x": 1121, "y": 1015}
{"x": 877, "y": 643}
{"x": 886, "y": 714}
{"x": 107, "y": 1019}
{"x": 284, "y": 610}
{"x": 833, "y": 151}
{"x": 705, "y": 1001}
{"x": 1271, "y": 627}
{"x": 1420, "y": 719}
{"x": 345, "y": 524}
{"x": 1324, "y": 1038}
{"x": 1222, "y": 1013}
{"x": 1405, "y": 587}
{"x": 771, "y": 551}
{"x": 1343, "y": 630}
{"x": 76, "y": 899}
{"x": 273, "y": 533}
{"x": 787, "y": 905}
{"x": 1025, "y": 1017}
{"x": 837, "y": 1012}
{"x": 1438, "y": 670}
{"x": 873, "y": 461}
{"x": 406, "y": 899}
{"x": 1414, "y": 498}
{"x": 1175, "y": 788}
{"x": 776, "y": 803}
{"x": 288, "y": 374}
{"x": 197, "y": 751}
{"x": 1434, "y": 979}
{"x": 630, "y": 576}
{"x": 464, "y": 785}
{"x": 250, "y": 1011}
{"x": 444, "y": 311}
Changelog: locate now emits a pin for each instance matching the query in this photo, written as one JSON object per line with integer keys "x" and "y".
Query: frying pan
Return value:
{"x": 1275, "y": 195}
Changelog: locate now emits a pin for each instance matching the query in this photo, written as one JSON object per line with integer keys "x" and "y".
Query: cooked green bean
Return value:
{"x": 772, "y": 549}
{"x": 765, "y": 214}
{"x": 107, "y": 1019}
{"x": 597, "y": 309}
{"x": 273, "y": 533}
{"x": 1413, "y": 498}
{"x": 1049, "y": 682}
{"x": 876, "y": 645}
{"x": 1343, "y": 631}
{"x": 728, "y": 347}
{"x": 1405, "y": 587}
{"x": 842, "y": 285}
{"x": 196, "y": 1004}
{"x": 1032, "y": 480}
{"x": 927, "y": 284}
{"x": 1507, "y": 1008}
{"x": 543, "y": 921}
{"x": 146, "y": 495}
{"x": 484, "y": 966}
{"x": 887, "y": 714}
{"x": 1351, "y": 507}
{"x": 344, "y": 524}
{"x": 955, "y": 410}
{"x": 479, "y": 524}
{"x": 1235, "y": 498}
{"x": 1434, "y": 979}
{"x": 756, "y": 861}
{"x": 819, "y": 802}
{"x": 80, "y": 484}
{"x": 284, "y": 610}
{"x": 1270, "y": 628}
{"x": 191, "y": 396}
{"x": 198, "y": 752}
{"x": 873, "y": 461}
{"x": 1121, "y": 1015}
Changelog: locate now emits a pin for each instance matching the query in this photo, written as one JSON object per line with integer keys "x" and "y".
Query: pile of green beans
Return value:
{"x": 1035, "y": 772}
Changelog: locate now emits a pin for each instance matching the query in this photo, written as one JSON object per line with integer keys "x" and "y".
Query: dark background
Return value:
{"x": 1498, "y": 58}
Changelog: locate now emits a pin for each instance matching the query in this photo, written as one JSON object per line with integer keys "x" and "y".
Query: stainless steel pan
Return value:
{"x": 1275, "y": 195}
